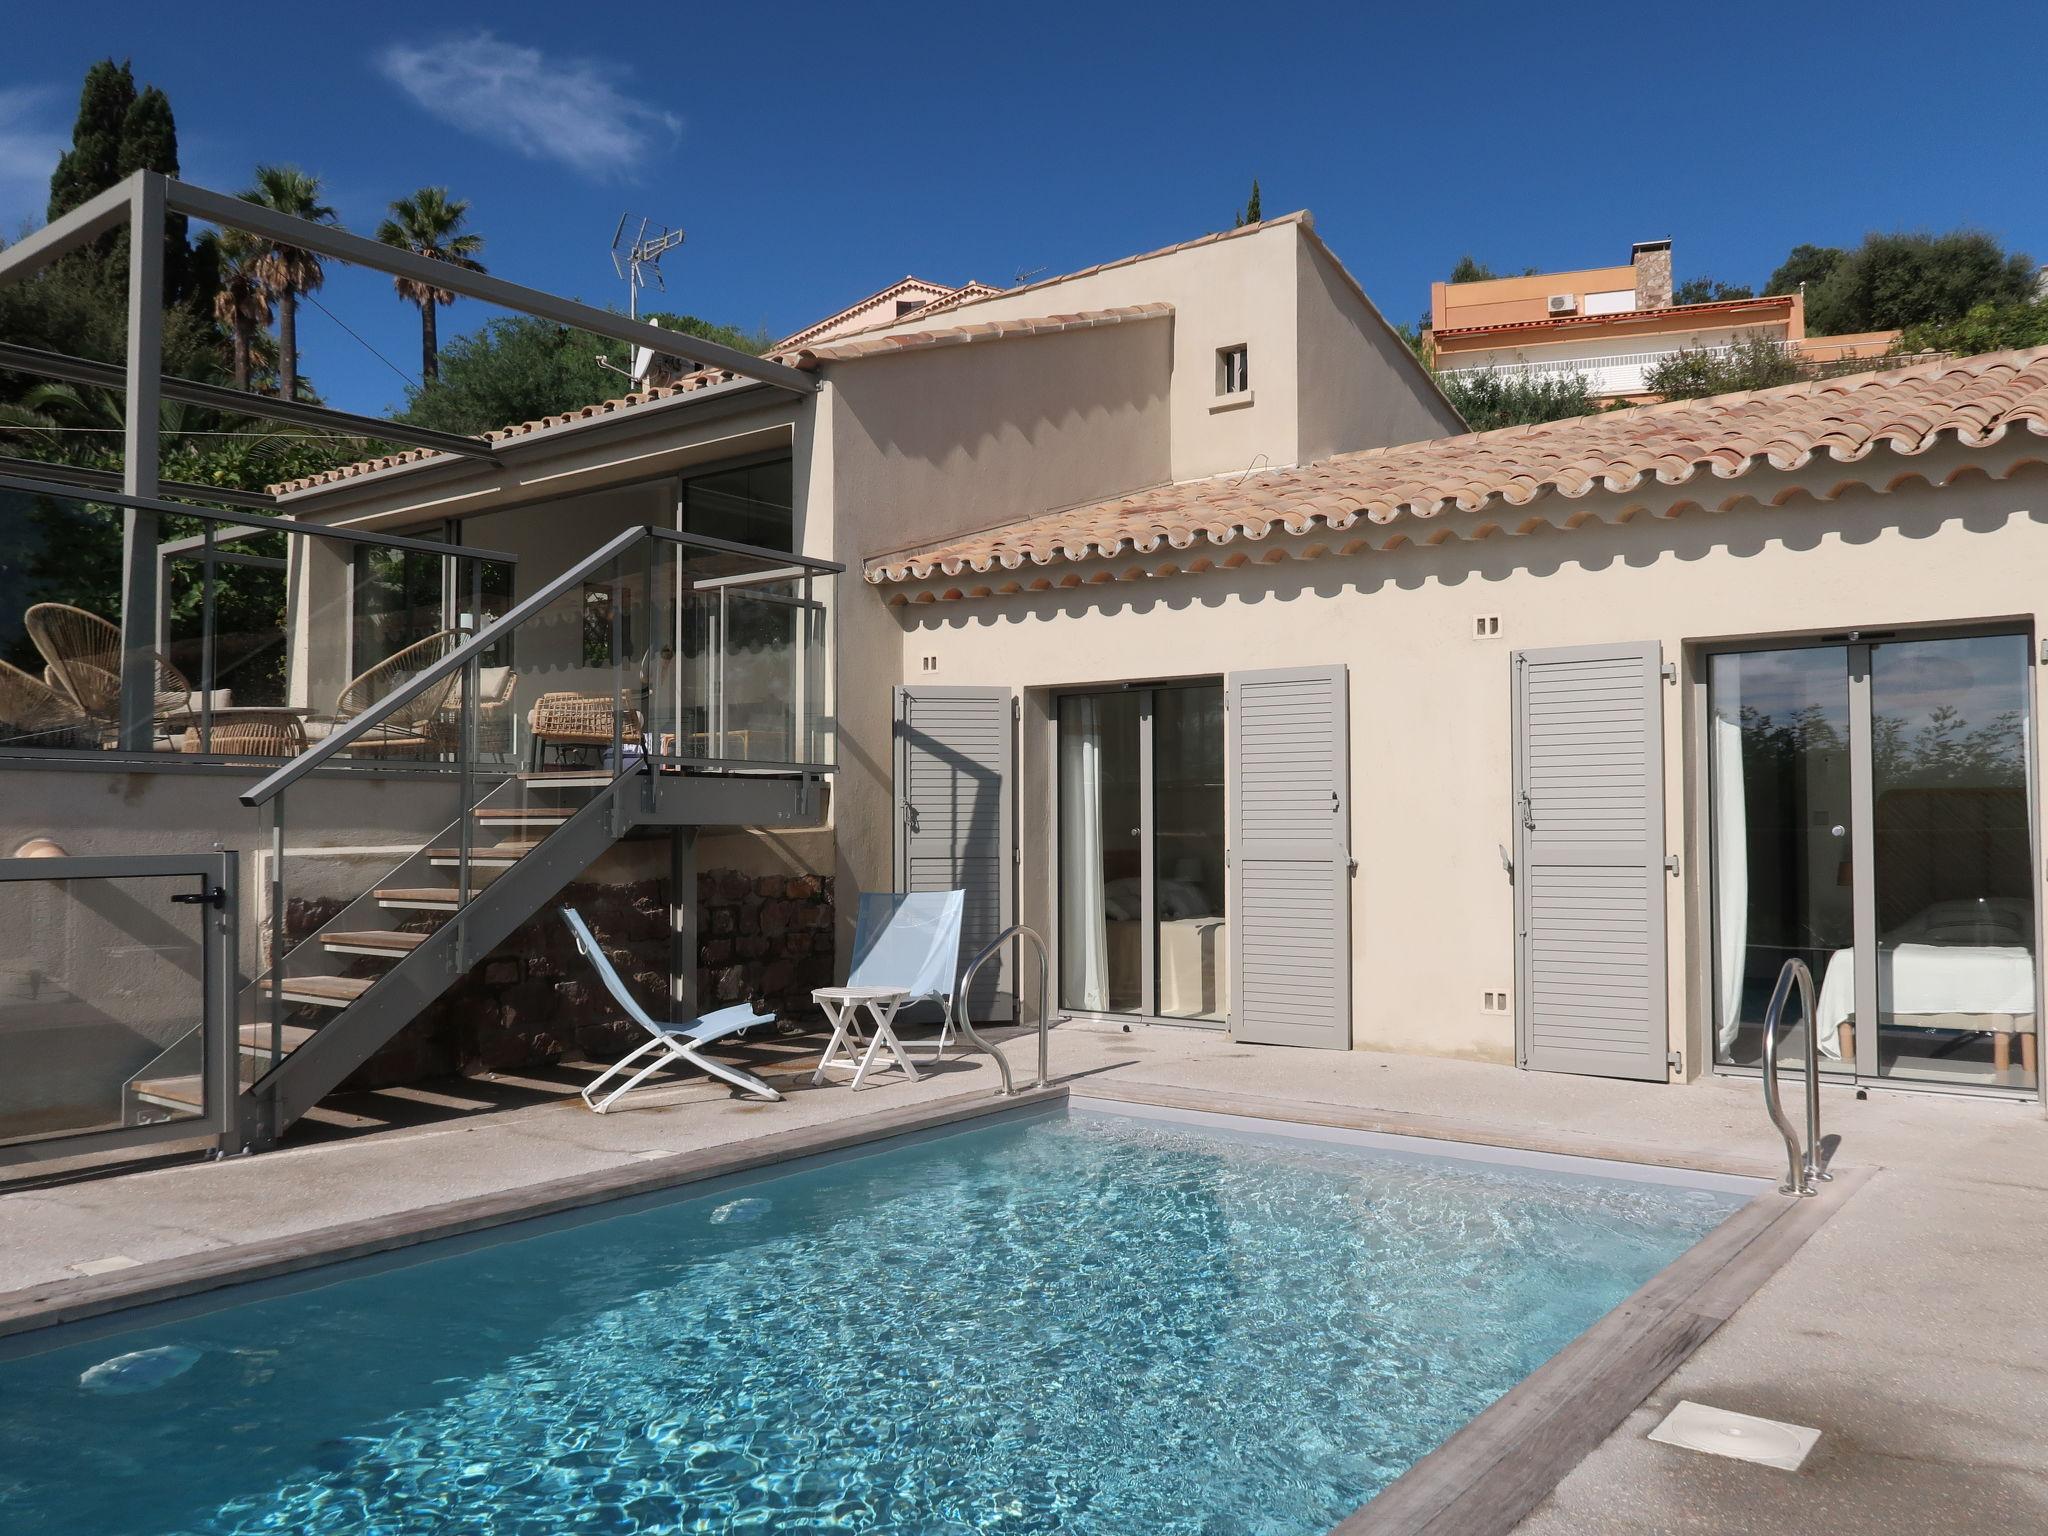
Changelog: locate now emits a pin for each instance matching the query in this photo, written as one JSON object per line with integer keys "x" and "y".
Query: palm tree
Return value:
{"x": 242, "y": 303}
{"x": 429, "y": 224}
{"x": 288, "y": 271}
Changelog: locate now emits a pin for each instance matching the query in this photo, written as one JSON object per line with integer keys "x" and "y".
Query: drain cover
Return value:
{"x": 1719, "y": 1432}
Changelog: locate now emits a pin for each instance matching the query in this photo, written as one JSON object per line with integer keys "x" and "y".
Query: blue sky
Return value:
{"x": 816, "y": 152}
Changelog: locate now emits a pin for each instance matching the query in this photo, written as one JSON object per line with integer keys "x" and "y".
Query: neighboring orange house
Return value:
{"x": 1612, "y": 324}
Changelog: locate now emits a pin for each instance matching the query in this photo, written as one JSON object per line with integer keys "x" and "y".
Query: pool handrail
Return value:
{"x": 986, "y": 953}
{"x": 1802, "y": 1170}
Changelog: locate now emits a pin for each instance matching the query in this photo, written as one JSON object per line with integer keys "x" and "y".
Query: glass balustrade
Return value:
{"x": 247, "y": 640}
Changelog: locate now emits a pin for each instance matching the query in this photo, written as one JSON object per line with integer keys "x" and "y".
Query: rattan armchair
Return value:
{"x": 564, "y": 720}
{"x": 33, "y": 714}
{"x": 83, "y": 653}
{"x": 411, "y": 730}
{"x": 495, "y": 686}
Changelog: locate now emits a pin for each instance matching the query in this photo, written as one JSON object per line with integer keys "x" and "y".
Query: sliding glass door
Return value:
{"x": 1142, "y": 928}
{"x": 1870, "y": 814}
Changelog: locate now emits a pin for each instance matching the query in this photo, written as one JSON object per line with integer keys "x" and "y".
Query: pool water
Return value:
{"x": 1065, "y": 1323}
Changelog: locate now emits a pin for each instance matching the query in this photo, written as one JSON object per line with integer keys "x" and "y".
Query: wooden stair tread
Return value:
{"x": 256, "y": 1037}
{"x": 435, "y": 893}
{"x": 524, "y": 813}
{"x": 345, "y": 988}
{"x": 397, "y": 943}
{"x": 177, "y": 1090}
{"x": 493, "y": 851}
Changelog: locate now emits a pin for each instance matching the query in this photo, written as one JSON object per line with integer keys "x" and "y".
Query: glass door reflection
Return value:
{"x": 1101, "y": 853}
{"x": 1779, "y": 780}
{"x": 1191, "y": 940}
{"x": 1953, "y": 861}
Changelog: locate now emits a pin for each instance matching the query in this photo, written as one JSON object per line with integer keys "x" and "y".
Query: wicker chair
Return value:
{"x": 33, "y": 714}
{"x": 83, "y": 652}
{"x": 564, "y": 720}
{"x": 411, "y": 730}
{"x": 493, "y": 713}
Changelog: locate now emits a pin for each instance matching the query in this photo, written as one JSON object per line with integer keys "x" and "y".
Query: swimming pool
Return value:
{"x": 1058, "y": 1322}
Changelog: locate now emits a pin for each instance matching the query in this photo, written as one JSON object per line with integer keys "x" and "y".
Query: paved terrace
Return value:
{"x": 1905, "y": 1329}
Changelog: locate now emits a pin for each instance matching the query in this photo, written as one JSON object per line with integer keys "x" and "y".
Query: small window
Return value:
{"x": 1233, "y": 370}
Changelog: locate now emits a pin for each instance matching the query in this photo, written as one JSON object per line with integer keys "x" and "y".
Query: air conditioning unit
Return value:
{"x": 1562, "y": 303}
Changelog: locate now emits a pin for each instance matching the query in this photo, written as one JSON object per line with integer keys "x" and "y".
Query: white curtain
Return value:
{"x": 1731, "y": 873}
{"x": 1084, "y": 932}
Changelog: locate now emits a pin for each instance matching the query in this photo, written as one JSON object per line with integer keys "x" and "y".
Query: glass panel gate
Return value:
{"x": 114, "y": 974}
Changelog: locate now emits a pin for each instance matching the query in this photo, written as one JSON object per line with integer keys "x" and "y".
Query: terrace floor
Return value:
{"x": 1904, "y": 1329}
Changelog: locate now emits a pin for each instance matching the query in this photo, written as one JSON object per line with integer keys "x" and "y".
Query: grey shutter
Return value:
{"x": 954, "y": 826}
{"x": 1290, "y": 857}
{"x": 1589, "y": 868}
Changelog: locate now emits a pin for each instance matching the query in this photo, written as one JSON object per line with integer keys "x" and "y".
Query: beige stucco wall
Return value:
{"x": 1432, "y": 914}
{"x": 1360, "y": 385}
{"x": 1239, "y": 291}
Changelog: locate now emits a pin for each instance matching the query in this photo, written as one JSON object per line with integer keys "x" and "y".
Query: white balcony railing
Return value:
{"x": 1627, "y": 373}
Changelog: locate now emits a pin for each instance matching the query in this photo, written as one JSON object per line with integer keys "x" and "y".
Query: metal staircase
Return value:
{"x": 714, "y": 657}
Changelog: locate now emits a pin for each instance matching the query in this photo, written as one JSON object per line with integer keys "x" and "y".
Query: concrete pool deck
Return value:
{"x": 1902, "y": 1328}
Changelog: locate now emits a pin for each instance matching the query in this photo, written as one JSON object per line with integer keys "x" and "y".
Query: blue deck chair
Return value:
{"x": 671, "y": 1042}
{"x": 904, "y": 942}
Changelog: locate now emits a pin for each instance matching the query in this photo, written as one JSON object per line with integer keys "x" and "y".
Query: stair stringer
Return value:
{"x": 355, "y": 1033}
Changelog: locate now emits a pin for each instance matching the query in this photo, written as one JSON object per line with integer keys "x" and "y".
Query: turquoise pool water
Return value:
{"x": 1059, "y": 1324}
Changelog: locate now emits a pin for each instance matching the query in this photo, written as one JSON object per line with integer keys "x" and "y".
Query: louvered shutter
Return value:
{"x": 1290, "y": 857}
{"x": 1589, "y": 871}
{"x": 954, "y": 756}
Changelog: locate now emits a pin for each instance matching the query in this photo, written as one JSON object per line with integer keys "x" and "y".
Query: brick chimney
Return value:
{"x": 1652, "y": 261}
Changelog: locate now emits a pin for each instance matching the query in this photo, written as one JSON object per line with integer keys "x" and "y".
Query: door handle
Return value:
{"x": 213, "y": 896}
{"x": 1528, "y": 812}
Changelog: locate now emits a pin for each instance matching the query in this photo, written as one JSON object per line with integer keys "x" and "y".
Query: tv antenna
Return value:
{"x": 641, "y": 259}
{"x": 1024, "y": 276}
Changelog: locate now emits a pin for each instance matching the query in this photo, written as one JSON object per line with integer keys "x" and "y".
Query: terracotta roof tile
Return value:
{"x": 1974, "y": 401}
{"x": 894, "y": 291}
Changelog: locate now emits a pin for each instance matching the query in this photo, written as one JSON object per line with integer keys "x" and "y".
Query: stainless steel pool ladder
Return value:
{"x": 1803, "y": 1171}
{"x": 988, "y": 952}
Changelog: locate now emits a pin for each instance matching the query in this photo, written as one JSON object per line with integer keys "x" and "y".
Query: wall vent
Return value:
{"x": 1493, "y": 1002}
{"x": 927, "y": 663}
{"x": 1485, "y": 626}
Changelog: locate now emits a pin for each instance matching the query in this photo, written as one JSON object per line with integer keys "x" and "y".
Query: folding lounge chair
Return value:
{"x": 907, "y": 942}
{"x": 671, "y": 1043}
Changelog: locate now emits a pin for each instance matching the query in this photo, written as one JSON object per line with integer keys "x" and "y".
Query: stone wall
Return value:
{"x": 765, "y": 939}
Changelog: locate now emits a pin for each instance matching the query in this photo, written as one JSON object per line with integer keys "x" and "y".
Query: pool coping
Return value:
{"x": 1504, "y": 1462}
{"x": 1482, "y": 1480}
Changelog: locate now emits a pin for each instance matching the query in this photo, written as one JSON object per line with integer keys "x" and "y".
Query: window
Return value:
{"x": 1233, "y": 371}
{"x": 744, "y": 504}
{"x": 396, "y": 602}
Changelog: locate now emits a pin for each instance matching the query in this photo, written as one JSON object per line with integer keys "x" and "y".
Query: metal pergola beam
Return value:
{"x": 110, "y": 480}
{"x": 214, "y": 208}
{"x": 83, "y": 370}
{"x": 82, "y": 225}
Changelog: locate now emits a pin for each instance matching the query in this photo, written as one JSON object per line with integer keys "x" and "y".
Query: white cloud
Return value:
{"x": 29, "y": 147}
{"x": 556, "y": 108}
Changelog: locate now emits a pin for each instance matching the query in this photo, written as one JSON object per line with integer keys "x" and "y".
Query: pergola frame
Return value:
{"x": 142, "y": 203}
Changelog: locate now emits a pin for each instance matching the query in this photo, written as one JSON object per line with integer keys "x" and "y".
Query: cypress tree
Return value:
{"x": 92, "y": 163}
{"x": 149, "y": 142}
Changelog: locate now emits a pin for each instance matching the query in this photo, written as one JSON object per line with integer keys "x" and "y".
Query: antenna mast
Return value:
{"x": 641, "y": 259}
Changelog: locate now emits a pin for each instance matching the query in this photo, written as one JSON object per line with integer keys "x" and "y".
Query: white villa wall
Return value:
{"x": 1230, "y": 292}
{"x": 1432, "y": 916}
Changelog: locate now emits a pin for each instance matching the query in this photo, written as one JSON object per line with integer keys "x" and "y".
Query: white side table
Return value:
{"x": 842, "y": 1006}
